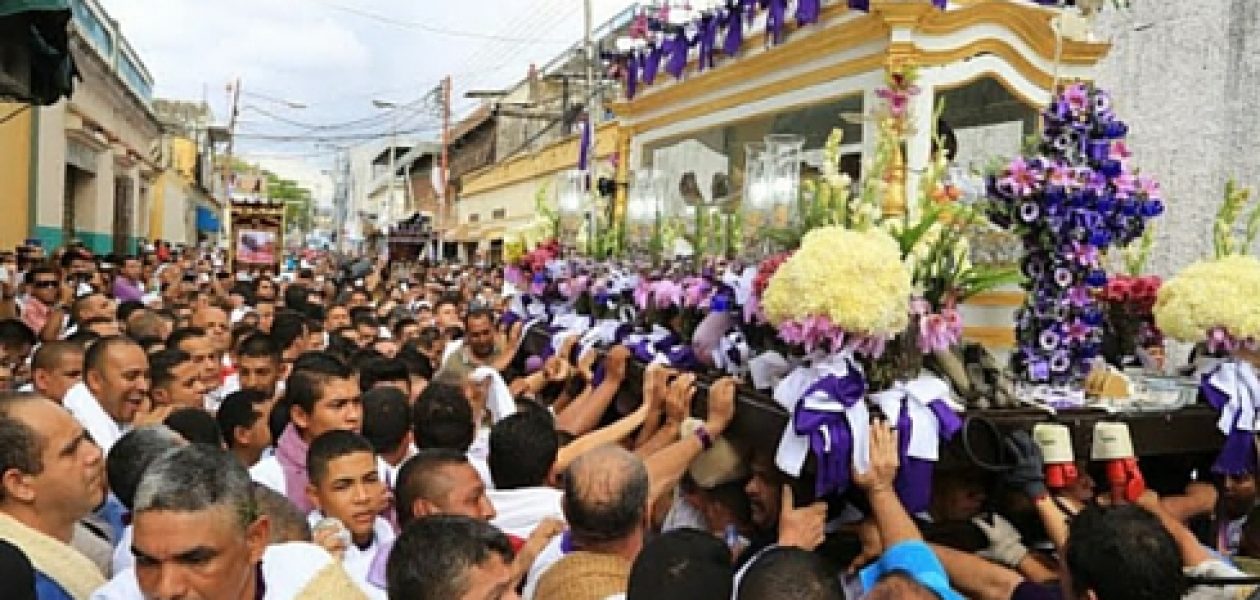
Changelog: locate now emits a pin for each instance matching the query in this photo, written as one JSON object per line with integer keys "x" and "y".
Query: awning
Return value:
{"x": 207, "y": 220}
{"x": 39, "y": 31}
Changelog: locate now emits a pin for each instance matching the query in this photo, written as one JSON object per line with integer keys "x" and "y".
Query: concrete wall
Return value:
{"x": 15, "y": 173}
{"x": 1184, "y": 76}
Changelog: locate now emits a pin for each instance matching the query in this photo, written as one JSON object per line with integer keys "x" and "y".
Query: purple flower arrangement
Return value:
{"x": 1070, "y": 202}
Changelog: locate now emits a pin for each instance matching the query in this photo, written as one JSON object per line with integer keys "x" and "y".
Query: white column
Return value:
{"x": 919, "y": 143}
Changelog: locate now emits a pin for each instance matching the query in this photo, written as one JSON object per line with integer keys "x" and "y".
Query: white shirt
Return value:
{"x": 358, "y": 561}
{"x": 268, "y": 472}
{"x": 520, "y": 511}
{"x": 123, "y": 558}
{"x": 550, "y": 555}
{"x": 92, "y": 416}
{"x": 287, "y": 569}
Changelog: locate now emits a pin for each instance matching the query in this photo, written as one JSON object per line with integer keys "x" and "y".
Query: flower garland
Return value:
{"x": 1070, "y": 202}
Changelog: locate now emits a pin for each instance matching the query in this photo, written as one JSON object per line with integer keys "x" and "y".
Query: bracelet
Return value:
{"x": 702, "y": 433}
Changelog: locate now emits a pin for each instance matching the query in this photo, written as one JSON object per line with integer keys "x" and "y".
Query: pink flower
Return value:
{"x": 1148, "y": 187}
{"x": 1120, "y": 151}
{"x": 667, "y": 293}
{"x": 1118, "y": 289}
{"x": 1126, "y": 184}
{"x": 1020, "y": 178}
{"x": 1077, "y": 97}
{"x": 1061, "y": 176}
{"x": 1079, "y": 296}
{"x": 642, "y": 294}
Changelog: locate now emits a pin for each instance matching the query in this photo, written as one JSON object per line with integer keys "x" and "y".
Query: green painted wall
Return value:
{"x": 98, "y": 243}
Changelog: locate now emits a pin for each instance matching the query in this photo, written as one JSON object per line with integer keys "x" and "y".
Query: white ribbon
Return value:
{"x": 768, "y": 369}
{"x": 603, "y": 333}
{"x": 1238, "y": 381}
{"x": 916, "y": 395}
{"x": 794, "y": 448}
{"x": 732, "y": 343}
{"x": 499, "y": 399}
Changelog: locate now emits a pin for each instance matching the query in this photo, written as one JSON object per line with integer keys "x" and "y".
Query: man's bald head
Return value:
{"x": 605, "y": 495}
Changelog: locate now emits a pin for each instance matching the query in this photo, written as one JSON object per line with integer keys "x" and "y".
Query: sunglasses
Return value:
{"x": 45, "y": 283}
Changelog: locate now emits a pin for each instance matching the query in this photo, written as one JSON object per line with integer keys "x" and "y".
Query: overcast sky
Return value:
{"x": 336, "y": 56}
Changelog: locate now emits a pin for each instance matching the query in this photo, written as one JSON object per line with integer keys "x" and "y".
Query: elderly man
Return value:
{"x": 221, "y": 550}
{"x": 51, "y": 476}
{"x": 115, "y": 388}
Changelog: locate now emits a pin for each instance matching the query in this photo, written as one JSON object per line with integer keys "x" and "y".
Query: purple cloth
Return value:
{"x": 291, "y": 454}
{"x": 125, "y": 291}
{"x": 808, "y": 12}
{"x": 707, "y": 41}
{"x": 678, "y": 47}
{"x": 830, "y": 438}
{"x": 734, "y": 18}
{"x": 376, "y": 572}
{"x": 651, "y": 63}
{"x": 1238, "y": 455}
{"x": 632, "y": 75}
{"x": 914, "y": 478}
{"x": 584, "y": 149}
{"x": 1214, "y": 395}
{"x": 776, "y": 14}
{"x": 862, "y": 5}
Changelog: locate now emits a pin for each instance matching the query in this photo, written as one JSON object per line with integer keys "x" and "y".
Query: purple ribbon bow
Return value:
{"x": 651, "y": 63}
{"x": 914, "y": 479}
{"x": 830, "y": 438}
{"x": 1238, "y": 454}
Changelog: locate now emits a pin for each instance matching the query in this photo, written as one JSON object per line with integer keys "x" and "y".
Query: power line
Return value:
{"x": 429, "y": 28}
{"x": 282, "y": 137}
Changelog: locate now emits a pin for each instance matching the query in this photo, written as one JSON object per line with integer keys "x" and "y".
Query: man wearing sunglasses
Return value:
{"x": 44, "y": 289}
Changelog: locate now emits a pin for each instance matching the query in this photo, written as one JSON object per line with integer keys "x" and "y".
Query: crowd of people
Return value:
{"x": 171, "y": 428}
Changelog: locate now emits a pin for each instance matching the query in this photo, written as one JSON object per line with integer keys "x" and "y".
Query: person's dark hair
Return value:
{"x": 418, "y": 365}
{"x": 479, "y": 313}
{"x": 401, "y": 324}
{"x": 72, "y": 255}
{"x": 311, "y": 372}
{"x": 419, "y": 479}
{"x": 1123, "y": 553}
{"x": 523, "y": 448}
{"x": 151, "y": 344}
{"x": 442, "y": 418}
{"x": 84, "y": 338}
{"x": 132, "y": 454}
{"x": 163, "y": 363}
{"x": 445, "y": 300}
{"x": 432, "y": 557}
{"x": 21, "y": 446}
{"x": 382, "y": 370}
{"x": 314, "y": 325}
{"x": 15, "y": 333}
{"x": 240, "y": 331}
{"x": 195, "y": 425}
{"x": 330, "y": 446}
{"x": 51, "y": 353}
{"x": 94, "y": 357}
{"x": 367, "y": 320}
{"x": 362, "y": 356}
{"x": 605, "y": 493}
{"x": 239, "y": 410}
{"x": 183, "y": 334}
{"x": 386, "y": 418}
{"x": 125, "y": 309}
{"x": 683, "y": 564}
{"x": 295, "y": 297}
{"x": 259, "y": 345}
{"x": 288, "y": 327}
{"x": 40, "y": 269}
{"x": 789, "y": 573}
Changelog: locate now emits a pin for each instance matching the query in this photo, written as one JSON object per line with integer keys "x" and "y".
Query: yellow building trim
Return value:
{"x": 1030, "y": 24}
{"x": 15, "y": 172}
{"x": 851, "y": 34}
{"x": 997, "y": 299}
{"x": 990, "y": 336}
{"x": 552, "y": 158}
{"x": 992, "y": 46}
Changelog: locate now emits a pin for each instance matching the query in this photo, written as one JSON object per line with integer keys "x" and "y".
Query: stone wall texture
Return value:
{"x": 1186, "y": 77}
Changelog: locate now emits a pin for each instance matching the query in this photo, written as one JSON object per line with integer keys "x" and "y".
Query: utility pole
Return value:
{"x": 592, "y": 104}
{"x": 443, "y": 205}
{"x": 233, "y": 112}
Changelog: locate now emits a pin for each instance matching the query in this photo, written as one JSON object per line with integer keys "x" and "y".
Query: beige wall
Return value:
{"x": 15, "y": 174}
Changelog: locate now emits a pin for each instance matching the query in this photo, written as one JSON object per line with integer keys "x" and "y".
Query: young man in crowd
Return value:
{"x": 387, "y": 425}
{"x": 345, "y": 485}
{"x": 322, "y": 395}
{"x": 242, "y": 420}
{"x": 258, "y": 366}
{"x": 176, "y": 381}
{"x": 56, "y": 367}
{"x": 196, "y": 342}
{"x": 114, "y": 390}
